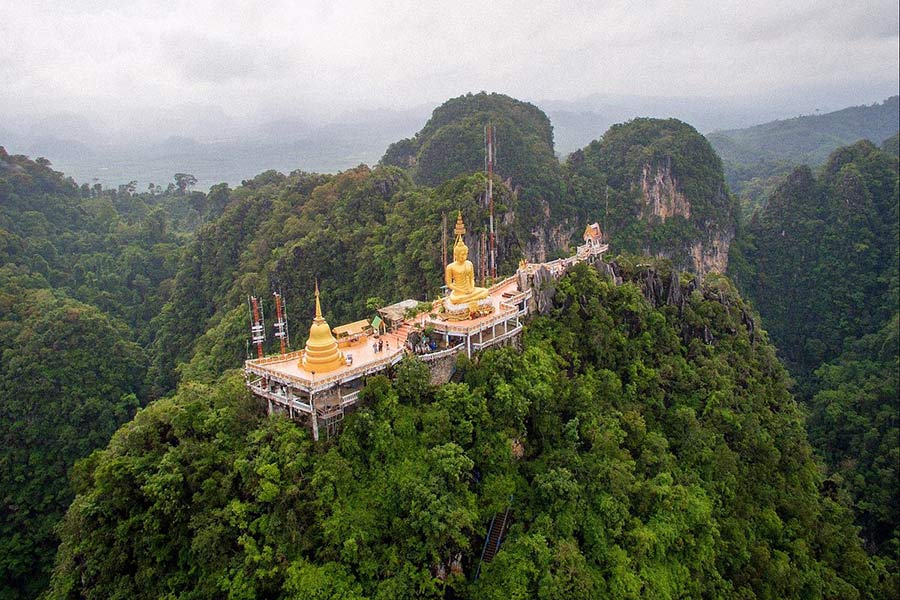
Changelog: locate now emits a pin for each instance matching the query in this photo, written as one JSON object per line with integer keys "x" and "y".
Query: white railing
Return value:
{"x": 496, "y": 339}
{"x": 349, "y": 399}
{"x": 301, "y": 406}
{"x": 281, "y": 399}
{"x": 581, "y": 253}
{"x": 501, "y": 315}
{"x": 442, "y": 353}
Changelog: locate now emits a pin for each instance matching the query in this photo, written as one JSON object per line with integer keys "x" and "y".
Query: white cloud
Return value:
{"x": 112, "y": 60}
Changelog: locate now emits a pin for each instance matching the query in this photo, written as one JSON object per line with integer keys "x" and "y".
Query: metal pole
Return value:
{"x": 312, "y": 405}
{"x": 490, "y": 132}
{"x": 444, "y": 238}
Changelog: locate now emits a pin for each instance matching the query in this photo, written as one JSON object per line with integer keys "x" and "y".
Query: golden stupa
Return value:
{"x": 322, "y": 354}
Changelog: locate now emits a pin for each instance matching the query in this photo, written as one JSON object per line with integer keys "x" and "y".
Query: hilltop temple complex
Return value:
{"x": 318, "y": 384}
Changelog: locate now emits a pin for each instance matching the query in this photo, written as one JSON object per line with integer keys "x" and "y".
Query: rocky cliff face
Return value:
{"x": 549, "y": 237}
{"x": 662, "y": 198}
{"x": 660, "y": 189}
{"x": 711, "y": 256}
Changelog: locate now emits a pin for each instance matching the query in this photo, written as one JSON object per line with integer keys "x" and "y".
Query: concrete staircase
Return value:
{"x": 402, "y": 332}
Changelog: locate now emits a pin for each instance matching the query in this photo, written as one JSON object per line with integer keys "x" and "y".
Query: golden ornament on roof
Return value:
{"x": 460, "y": 229}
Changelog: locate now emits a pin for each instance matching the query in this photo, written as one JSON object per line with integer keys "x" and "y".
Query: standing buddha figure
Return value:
{"x": 460, "y": 274}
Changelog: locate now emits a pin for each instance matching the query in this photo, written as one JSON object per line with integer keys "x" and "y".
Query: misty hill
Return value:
{"x": 577, "y": 122}
{"x": 238, "y": 152}
{"x": 658, "y": 188}
{"x": 752, "y": 156}
{"x": 216, "y": 147}
{"x": 809, "y": 139}
{"x": 452, "y": 141}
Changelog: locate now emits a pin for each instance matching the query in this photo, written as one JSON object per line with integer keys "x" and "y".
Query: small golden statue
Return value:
{"x": 465, "y": 298}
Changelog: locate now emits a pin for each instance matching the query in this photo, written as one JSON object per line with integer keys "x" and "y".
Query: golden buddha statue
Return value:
{"x": 460, "y": 274}
{"x": 322, "y": 354}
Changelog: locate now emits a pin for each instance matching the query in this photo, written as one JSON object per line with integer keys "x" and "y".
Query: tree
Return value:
{"x": 184, "y": 181}
{"x": 68, "y": 380}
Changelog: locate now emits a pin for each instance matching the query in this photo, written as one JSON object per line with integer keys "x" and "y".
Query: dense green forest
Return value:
{"x": 84, "y": 271}
{"x": 758, "y": 158}
{"x": 664, "y": 453}
{"x": 821, "y": 259}
{"x": 664, "y": 457}
{"x": 375, "y": 233}
{"x": 820, "y": 262}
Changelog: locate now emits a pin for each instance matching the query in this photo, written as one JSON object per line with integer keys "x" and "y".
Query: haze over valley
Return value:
{"x": 217, "y": 148}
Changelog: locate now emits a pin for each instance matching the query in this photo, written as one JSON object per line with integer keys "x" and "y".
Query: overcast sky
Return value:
{"x": 127, "y": 61}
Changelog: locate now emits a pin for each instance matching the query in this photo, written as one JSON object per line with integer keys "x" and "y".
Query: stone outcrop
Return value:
{"x": 543, "y": 289}
{"x": 662, "y": 197}
{"x": 712, "y": 256}
{"x": 675, "y": 289}
{"x": 547, "y": 240}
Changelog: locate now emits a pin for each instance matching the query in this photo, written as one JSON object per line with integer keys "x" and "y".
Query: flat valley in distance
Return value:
{"x": 216, "y": 148}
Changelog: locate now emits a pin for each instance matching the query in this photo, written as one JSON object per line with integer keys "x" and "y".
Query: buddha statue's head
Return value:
{"x": 460, "y": 251}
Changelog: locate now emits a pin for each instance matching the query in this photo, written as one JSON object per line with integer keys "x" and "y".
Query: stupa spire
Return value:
{"x": 318, "y": 305}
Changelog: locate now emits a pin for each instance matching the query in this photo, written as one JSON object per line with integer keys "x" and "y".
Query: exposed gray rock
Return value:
{"x": 543, "y": 286}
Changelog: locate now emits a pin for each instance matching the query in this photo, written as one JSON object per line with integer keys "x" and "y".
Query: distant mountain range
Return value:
{"x": 809, "y": 139}
{"x": 215, "y": 148}
{"x": 756, "y": 158}
{"x": 284, "y": 145}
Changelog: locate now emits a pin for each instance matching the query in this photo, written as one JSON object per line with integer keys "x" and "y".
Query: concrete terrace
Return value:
{"x": 321, "y": 399}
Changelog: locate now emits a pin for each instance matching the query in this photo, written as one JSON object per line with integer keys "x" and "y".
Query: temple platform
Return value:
{"x": 290, "y": 388}
{"x": 322, "y": 399}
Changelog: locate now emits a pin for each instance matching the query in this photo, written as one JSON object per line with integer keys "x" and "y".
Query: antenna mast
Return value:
{"x": 257, "y": 326}
{"x": 606, "y": 214}
{"x": 489, "y": 146}
{"x": 281, "y": 327}
{"x": 444, "y": 237}
{"x": 483, "y": 258}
